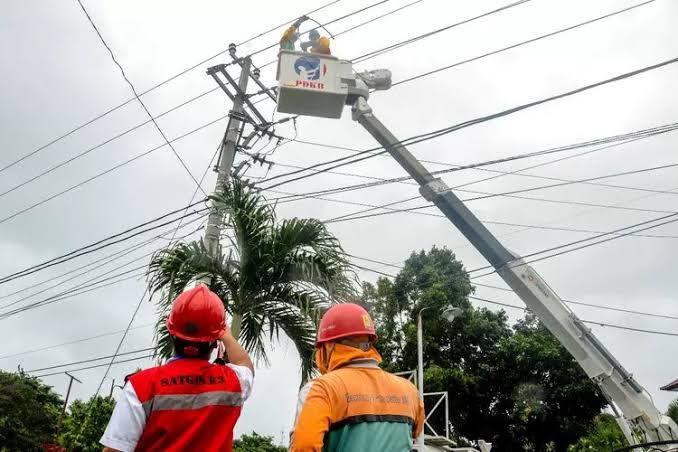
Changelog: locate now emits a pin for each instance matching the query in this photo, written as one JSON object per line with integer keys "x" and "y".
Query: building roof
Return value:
{"x": 673, "y": 386}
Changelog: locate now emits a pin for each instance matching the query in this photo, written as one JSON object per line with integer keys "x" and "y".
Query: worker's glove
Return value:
{"x": 300, "y": 21}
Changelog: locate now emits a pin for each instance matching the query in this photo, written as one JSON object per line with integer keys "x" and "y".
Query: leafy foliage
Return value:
{"x": 515, "y": 387}
{"x": 29, "y": 412}
{"x": 605, "y": 434}
{"x": 672, "y": 410}
{"x": 273, "y": 276}
{"x": 83, "y": 427}
{"x": 256, "y": 443}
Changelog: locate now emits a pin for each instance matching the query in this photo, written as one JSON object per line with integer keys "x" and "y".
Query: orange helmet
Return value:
{"x": 197, "y": 315}
{"x": 343, "y": 320}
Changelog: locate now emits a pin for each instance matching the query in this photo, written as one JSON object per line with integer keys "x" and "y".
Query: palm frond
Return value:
{"x": 300, "y": 328}
{"x": 173, "y": 269}
{"x": 276, "y": 277}
{"x": 308, "y": 252}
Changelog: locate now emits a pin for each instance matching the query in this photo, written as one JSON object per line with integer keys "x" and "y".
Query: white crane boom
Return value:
{"x": 623, "y": 392}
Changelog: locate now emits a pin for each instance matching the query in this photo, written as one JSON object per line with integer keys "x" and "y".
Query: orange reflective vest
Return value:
{"x": 357, "y": 406}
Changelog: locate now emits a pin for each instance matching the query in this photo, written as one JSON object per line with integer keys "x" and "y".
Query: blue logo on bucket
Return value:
{"x": 308, "y": 67}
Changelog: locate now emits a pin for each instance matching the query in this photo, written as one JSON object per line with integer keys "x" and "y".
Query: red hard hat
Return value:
{"x": 343, "y": 320}
{"x": 197, "y": 315}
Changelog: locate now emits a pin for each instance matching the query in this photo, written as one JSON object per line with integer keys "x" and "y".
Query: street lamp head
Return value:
{"x": 452, "y": 313}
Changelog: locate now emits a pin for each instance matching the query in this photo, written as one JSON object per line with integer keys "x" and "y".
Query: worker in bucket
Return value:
{"x": 291, "y": 35}
{"x": 354, "y": 405}
{"x": 187, "y": 403}
{"x": 316, "y": 44}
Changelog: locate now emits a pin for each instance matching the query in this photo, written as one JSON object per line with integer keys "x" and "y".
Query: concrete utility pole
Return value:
{"x": 68, "y": 391}
{"x": 228, "y": 148}
{"x": 238, "y": 117}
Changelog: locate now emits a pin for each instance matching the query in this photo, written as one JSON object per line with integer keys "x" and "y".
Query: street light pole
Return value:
{"x": 449, "y": 313}
{"x": 420, "y": 370}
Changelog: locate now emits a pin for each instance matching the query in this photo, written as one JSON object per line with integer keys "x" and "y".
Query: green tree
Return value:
{"x": 517, "y": 388}
{"x": 672, "y": 410}
{"x": 29, "y": 412}
{"x": 605, "y": 434}
{"x": 272, "y": 275}
{"x": 83, "y": 427}
{"x": 256, "y": 443}
{"x": 551, "y": 401}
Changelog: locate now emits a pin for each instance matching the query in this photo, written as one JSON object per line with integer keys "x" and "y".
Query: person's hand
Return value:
{"x": 227, "y": 335}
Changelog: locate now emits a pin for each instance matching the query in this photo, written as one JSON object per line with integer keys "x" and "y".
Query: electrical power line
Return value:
{"x": 107, "y": 259}
{"x": 132, "y": 352}
{"x": 376, "y": 18}
{"x": 592, "y": 305}
{"x": 414, "y": 39}
{"x": 351, "y": 217}
{"x": 214, "y": 89}
{"x": 96, "y": 366}
{"x": 592, "y": 322}
{"x": 349, "y": 160}
{"x": 105, "y": 172}
{"x": 627, "y": 138}
{"x": 68, "y": 294}
{"x": 100, "y": 244}
{"x": 136, "y": 95}
{"x": 355, "y": 215}
{"x": 76, "y": 341}
{"x": 90, "y": 267}
{"x": 521, "y": 43}
{"x": 489, "y": 286}
{"x": 102, "y": 144}
{"x": 350, "y": 29}
{"x": 141, "y": 300}
{"x": 152, "y": 88}
{"x": 615, "y": 234}
{"x": 151, "y": 120}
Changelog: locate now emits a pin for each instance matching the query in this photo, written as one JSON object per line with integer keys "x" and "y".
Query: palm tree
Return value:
{"x": 272, "y": 275}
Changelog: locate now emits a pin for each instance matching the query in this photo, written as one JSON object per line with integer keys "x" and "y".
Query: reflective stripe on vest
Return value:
{"x": 168, "y": 402}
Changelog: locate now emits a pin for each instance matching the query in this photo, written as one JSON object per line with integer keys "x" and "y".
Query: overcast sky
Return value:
{"x": 57, "y": 75}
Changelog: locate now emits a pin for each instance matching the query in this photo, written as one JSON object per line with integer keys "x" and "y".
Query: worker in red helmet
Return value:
{"x": 187, "y": 403}
{"x": 354, "y": 405}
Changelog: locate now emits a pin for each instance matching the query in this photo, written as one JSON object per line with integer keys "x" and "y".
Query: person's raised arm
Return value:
{"x": 235, "y": 352}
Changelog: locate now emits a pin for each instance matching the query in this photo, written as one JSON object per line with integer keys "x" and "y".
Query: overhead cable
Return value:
{"x": 594, "y": 322}
{"x": 132, "y": 352}
{"x": 90, "y": 267}
{"x": 520, "y": 44}
{"x": 409, "y": 41}
{"x": 590, "y": 322}
{"x": 138, "y": 98}
{"x": 569, "y": 246}
{"x": 106, "y": 171}
{"x": 344, "y": 161}
{"x": 96, "y": 366}
{"x": 100, "y": 244}
{"x": 152, "y": 88}
{"x": 76, "y": 341}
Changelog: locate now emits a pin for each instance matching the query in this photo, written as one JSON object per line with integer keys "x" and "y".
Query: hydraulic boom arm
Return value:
{"x": 616, "y": 383}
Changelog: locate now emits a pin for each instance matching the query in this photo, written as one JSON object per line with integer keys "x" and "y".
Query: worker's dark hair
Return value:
{"x": 189, "y": 349}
